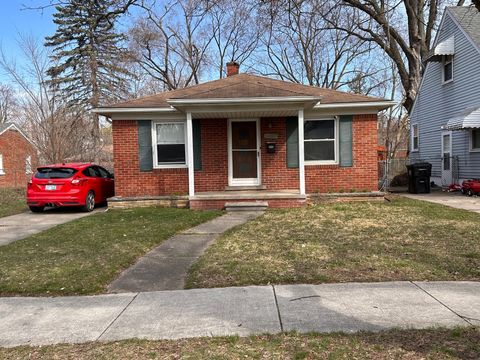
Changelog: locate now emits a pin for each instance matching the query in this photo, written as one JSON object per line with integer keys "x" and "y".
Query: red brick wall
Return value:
{"x": 129, "y": 180}
{"x": 363, "y": 175}
{"x": 275, "y": 173}
{"x": 214, "y": 173}
{"x": 15, "y": 149}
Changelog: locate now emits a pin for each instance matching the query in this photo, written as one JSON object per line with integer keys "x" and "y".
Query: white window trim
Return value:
{"x": 471, "y": 148}
{"x": 156, "y": 165}
{"x": 2, "y": 172}
{"x": 412, "y": 148}
{"x": 336, "y": 143}
{"x": 444, "y": 62}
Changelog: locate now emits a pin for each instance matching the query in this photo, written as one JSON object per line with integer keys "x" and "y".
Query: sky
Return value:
{"x": 15, "y": 20}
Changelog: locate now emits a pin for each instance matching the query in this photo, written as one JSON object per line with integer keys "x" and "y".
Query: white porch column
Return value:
{"x": 301, "y": 152}
{"x": 191, "y": 174}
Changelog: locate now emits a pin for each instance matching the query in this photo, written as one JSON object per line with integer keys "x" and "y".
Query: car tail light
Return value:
{"x": 78, "y": 181}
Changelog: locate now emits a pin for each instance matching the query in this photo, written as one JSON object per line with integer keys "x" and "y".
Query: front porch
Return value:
{"x": 249, "y": 198}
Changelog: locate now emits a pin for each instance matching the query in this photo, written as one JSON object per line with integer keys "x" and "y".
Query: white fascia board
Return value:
{"x": 371, "y": 104}
{"x": 19, "y": 130}
{"x": 102, "y": 111}
{"x": 229, "y": 101}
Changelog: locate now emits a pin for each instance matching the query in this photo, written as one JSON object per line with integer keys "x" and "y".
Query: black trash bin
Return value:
{"x": 419, "y": 177}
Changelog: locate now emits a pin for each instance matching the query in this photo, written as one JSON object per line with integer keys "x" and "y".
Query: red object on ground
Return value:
{"x": 71, "y": 184}
{"x": 471, "y": 187}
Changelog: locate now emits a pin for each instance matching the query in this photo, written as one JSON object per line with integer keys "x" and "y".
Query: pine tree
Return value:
{"x": 87, "y": 52}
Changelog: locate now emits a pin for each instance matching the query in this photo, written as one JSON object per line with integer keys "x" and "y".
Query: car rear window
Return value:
{"x": 55, "y": 173}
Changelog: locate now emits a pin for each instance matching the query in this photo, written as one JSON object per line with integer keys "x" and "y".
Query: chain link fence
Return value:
{"x": 388, "y": 170}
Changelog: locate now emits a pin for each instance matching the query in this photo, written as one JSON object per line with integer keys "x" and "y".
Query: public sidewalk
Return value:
{"x": 243, "y": 311}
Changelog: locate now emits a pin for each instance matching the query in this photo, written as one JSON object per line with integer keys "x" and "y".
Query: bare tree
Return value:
{"x": 393, "y": 122}
{"x": 402, "y": 29}
{"x": 235, "y": 33}
{"x": 302, "y": 47}
{"x": 171, "y": 41}
{"x": 8, "y": 103}
{"x": 58, "y": 131}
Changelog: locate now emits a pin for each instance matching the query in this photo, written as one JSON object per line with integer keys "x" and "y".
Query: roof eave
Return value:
{"x": 107, "y": 111}
{"x": 380, "y": 105}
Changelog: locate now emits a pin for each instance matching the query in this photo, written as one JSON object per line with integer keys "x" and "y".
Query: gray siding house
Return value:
{"x": 445, "y": 120}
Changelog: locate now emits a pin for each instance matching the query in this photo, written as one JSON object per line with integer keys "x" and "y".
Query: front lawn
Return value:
{"x": 12, "y": 201}
{"x": 84, "y": 256}
{"x": 341, "y": 242}
{"x": 460, "y": 343}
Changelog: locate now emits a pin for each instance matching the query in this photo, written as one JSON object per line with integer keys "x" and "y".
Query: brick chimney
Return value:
{"x": 233, "y": 68}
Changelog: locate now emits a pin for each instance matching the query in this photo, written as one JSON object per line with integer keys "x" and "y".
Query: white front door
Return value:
{"x": 244, "y": 152}
{"x": 447, "y": 177}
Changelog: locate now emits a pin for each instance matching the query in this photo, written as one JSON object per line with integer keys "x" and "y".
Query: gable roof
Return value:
{"x": 468, "y": 18}
{"x": 11, "y": 126}
{"x": 245, "y": 86}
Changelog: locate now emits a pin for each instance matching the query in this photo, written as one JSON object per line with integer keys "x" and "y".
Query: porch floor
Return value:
{"x": 248, "y": 194}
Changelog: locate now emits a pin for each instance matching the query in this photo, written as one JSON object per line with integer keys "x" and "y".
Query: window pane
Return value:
{"x": 171, "y": 133}
{"x": 446, "y": 143}
{"x": 173, "y": 154}
{"x": 55, "y": 173}
{"x": 319, "y": 150}
{"x": 415, "y": 130}
{"x": 476, "y": 139}
{"x": 320, "y": 129}
{"x": 448, "y": 71}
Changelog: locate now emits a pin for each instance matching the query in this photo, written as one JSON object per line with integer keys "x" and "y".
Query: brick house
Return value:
{"x": 17, "y": 156}
{"x": 243, "y": 138}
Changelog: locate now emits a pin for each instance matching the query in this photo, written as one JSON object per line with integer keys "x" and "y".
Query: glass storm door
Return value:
{"x": 244, "y": 153}
{"x": 447, "y": 177}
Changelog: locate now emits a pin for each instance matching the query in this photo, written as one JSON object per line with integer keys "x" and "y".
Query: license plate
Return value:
{"x": 50, "y": 187}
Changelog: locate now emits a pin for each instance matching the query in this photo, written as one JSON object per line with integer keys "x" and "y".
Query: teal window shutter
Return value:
{"x": 346, "y": 140}
{"x": 292, "y": 142}
{"x": 145, "y": 154}
{"x": 197, "y": 145}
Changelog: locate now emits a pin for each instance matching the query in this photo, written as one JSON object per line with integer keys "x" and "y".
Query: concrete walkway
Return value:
{"x": 453, "y": 199}
{"x": 240, "y": 311}
{"x": 20, "y": 226}
{"x": 166, "y": 266}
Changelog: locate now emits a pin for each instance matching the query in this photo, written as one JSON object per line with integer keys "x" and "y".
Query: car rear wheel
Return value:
{"x": 36, "y": 209}
{"x": 89, "y": 202}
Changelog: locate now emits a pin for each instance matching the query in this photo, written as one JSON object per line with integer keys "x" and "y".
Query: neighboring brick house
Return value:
{"x": 239, "y": 139}
{"x": 18, "y": 157}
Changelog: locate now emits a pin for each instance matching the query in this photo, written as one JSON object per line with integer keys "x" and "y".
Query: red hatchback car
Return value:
{"x": 73, "y": 184}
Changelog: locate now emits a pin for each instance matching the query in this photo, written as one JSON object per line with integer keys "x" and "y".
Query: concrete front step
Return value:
{"x": 246, "y": 206}
{"x": 245, "y": 188}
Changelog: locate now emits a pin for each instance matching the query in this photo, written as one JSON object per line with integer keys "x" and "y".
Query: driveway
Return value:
{"x": 452, "y": 199}
{"x": 20, "y": 226}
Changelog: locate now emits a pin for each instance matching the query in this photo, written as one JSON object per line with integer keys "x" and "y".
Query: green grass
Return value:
{"x": 84, "y": 256}
{"x": 12, "y": 201}
{"x": 340, "y": 242}
{"x": 460, "y": 343}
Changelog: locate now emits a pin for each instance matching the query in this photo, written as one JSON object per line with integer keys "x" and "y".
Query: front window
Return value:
{"x": 414, "y": 137}
{"x": 170, "y": 144}
{"x": 447, "y": 68}
{"x": 475, "y": 139}
{"x": 320, "y": 141}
